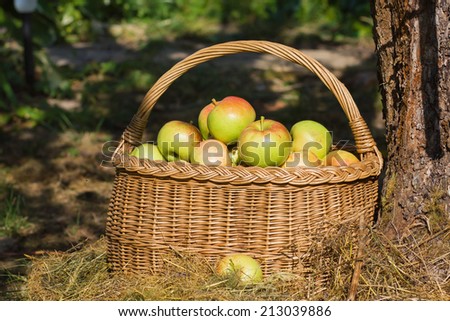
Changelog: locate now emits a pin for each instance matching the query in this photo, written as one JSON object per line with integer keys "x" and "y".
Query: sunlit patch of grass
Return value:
{"x": 11, "y": 219}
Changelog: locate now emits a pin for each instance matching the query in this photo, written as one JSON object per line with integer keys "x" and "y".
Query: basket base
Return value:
{"x": 281, "y": 226}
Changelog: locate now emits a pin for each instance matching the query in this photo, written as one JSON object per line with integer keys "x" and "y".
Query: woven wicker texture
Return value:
{"x": 273, "y": 214}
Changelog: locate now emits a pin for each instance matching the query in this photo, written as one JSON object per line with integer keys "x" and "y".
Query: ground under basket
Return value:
{"x": 274, "y": 214}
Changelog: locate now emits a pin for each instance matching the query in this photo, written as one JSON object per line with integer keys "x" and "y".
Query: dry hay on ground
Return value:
{"x": 416, "y": 269}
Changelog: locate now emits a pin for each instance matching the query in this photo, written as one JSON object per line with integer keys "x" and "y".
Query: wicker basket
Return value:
{"x": 273, "y": 214}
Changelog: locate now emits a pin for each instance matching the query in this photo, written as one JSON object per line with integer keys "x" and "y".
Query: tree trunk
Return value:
{"x": 412, "y": 40}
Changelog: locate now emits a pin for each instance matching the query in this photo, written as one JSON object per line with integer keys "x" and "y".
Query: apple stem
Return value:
{"x": 262, "y": 123}
{"x": 214, "y": 101}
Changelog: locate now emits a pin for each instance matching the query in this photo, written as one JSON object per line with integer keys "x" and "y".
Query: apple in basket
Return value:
{"x": 211, "y": 152}
{"x": 147, "y": 151}
{"x": 311, "y": 135}
{"x": 203, "y": 120}
{"x": 176, "y": 140}
{"x": 340, "y": 158}
{"x": 234, "y": 155}
{"x": 239, "y": 269}
{"x": 229, "y": 117}
{"x": 263, "y": 143}
{"x": 304, "y": 158}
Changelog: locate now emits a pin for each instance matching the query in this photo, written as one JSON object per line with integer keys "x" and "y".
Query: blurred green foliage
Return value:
{"x": 84, "y": 20}
{"x": 70, "y": 20}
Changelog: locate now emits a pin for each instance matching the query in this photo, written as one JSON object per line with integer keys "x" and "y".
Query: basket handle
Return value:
{"x": 364, "y": 141}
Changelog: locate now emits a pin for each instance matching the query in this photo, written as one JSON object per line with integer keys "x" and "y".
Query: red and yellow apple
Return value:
{"x": 239, "y": 269}
{"x": 211, "y": 152}
{"x": 264, "y": 143}
{"x": 229, "y": 117}
{"x": 302, "y": 159}
{"x": 311, "y": 135}
{"x": 147, "y": 151}
{"x": 340, "y": 158}
{"x": 176, "y": 140}
{"x": 203, "y": 120}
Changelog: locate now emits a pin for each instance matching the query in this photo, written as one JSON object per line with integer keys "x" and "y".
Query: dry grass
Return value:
{"x": 418, "y": 268}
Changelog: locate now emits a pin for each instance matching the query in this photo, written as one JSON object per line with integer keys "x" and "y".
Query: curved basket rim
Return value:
{"x": 244, "y": 175}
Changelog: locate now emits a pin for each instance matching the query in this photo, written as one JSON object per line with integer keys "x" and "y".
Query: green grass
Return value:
{"x": 11, "y": 219}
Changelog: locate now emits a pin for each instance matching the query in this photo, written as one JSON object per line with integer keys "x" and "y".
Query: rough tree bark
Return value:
{"x": 412, "y": 40}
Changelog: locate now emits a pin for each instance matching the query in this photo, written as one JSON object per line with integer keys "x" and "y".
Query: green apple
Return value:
{"x": 147, "y": 151}
{"x": 203, "y": 120}
{"x": 263, "y": 143}
{"x": 211, "y": 152}
{"x": 340, "y": 158}
{"x": 176, "y": 140}
{"x": 311, "y": 135}
{"x": 239, "y": 269}
{"x": 229, "y": 117}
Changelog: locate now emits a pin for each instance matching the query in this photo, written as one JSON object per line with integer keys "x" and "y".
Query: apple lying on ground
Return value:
{"x": 176, "y": 140}
{"x": 211, "y": 152}
{"x": 311, "y": 135}
{"x": 340, "y": 158}
{"x": 263, "y": 143}
{"x": 203, "y": 120}
{"x": 239, "y": 269}
{"x": 302, "y": 159}
{"x": 229, "y": 117}
{"x": 147, "y": 151}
